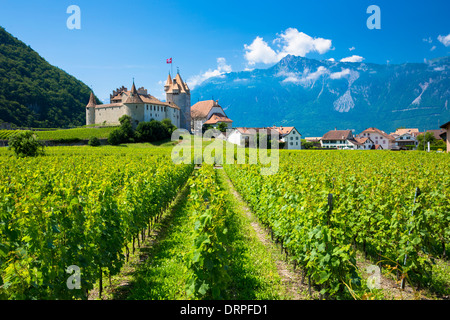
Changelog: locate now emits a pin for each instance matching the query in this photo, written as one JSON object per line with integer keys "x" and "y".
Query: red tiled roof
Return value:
{"x": 202, "y": 108}
{"x": 382, "y": 133}
{"x": 134, "y": 96}
{"x": 91, "y": 103}
{"x": 337, "y": 135}
{"x": 108, "y": 105}
{"x": 283, "y": 130}
{"x": 246, "y": 130}
{"x": 217, "y": 117}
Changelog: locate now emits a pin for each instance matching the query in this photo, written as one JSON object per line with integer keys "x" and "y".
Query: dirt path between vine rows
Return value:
{"x": 292, "y": 279}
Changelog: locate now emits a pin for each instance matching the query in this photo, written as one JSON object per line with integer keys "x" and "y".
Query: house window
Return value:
{"x": 291, "y": 143}
{"x": 292, "y": 138}
{"x": 296, "y": 138}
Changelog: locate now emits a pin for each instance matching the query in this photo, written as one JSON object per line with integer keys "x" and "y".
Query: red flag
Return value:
{"x": 169, "y": 60}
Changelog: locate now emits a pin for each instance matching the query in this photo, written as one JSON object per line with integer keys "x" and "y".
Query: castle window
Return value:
{"x": 147, "y": 107}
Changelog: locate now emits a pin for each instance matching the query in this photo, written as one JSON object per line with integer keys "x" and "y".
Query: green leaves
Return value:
{"x": 373, "y": 197}
{"x": 76, "y": 209}
{"x": 207, "y": 257}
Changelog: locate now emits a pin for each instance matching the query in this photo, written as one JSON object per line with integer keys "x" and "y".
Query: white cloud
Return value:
{"x": 304, "y": 78}
{"x": 427, "y": 40}
{"x": 299, "y": 43}
{"x": 331, "y": 59}
{"x": 351, "y": 49}
{"x": 340, "y": 74}
{"x": 259, "y": 51}
{"x": 290, "y": 42}
{"x": 222, "y": 68}
{"x": 432, "y": 48}
{"x": 445, "y": 40}
{"x": 353, "y": 58}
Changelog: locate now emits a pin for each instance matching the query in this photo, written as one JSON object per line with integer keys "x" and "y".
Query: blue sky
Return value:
{"x": 122, "y": 40}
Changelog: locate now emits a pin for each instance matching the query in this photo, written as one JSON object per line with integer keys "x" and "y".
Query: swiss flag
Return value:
{"x": 169, "y": 60}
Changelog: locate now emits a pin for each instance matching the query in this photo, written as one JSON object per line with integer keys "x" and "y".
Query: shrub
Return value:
{"x": 116, "y": 137}
{"x": 151, "y": 131}
{"x": 168, "y": 124}
{"x": 94, "y": 142}
{"x": 26, "y": 144}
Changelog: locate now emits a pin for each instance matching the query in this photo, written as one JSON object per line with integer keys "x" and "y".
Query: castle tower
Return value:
{"x": 134, "y": 106}
{"x": 90, "y": 110}
{"x": 179, "y": 93}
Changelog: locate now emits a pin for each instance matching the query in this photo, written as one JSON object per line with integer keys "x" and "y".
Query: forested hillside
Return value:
{"x": 33, "y": 92}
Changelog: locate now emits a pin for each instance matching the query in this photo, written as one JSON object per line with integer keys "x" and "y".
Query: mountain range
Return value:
{"x": 318, "y": 96}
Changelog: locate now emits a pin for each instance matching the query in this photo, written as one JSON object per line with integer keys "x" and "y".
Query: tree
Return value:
{"x": 222, "y": 126}
{"x": 144, "y": 132}
{"x": 152, "y": 131}
{"x": 424, "y": 139}
{"x": 168, "y": 124}
{"x": 126, "y": 128}
{"x": 26, "y": 144}
{"x": 307, "y": 144}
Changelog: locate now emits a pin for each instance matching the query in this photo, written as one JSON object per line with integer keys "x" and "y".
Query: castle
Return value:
{"x": 141, "y": 106}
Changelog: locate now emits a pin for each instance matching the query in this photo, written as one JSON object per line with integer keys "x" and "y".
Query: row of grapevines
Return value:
{"x": 207, "y": 257}
{"x": 297, "y": 214}
{"x": 82, "y": 210}
{"x": 372, "y": 206}
{"x": 5, "y": 134}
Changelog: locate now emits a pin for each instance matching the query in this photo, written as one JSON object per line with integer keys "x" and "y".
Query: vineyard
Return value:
{"x": 78, "y": 209}
{"x": 325, "y": 207}
{"x": 330, "y": 212}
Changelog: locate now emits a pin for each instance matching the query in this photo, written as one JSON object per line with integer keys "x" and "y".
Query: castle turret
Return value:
{"x": 178, "y": 92}
{"x": 90, "y": 110}
{"x": 134, "y": 106}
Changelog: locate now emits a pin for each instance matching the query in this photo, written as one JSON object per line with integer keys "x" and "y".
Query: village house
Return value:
{"x": 339, "y": 139}
{"x": 289, "y": 135}
{"x": 208, "y": 112}
{"x": 379, "y": 138}
{"x": 406, "y": 139}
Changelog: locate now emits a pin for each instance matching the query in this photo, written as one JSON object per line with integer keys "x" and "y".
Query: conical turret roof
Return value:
{"x": 134, "y": 96}
{"x": 91, "y": 103}
{"x": 169, "y": 81}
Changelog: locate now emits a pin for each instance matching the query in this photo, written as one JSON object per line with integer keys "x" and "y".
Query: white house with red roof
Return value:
{"x": 289, "y": 135}
{"x": 208, "y": 112}
{"x": 379, "y": 138}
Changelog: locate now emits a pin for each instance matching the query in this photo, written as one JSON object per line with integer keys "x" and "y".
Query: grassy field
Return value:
{"x": 77, "y": 133}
